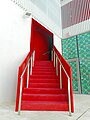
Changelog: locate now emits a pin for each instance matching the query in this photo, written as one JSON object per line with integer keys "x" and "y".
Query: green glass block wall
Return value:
{"x": 79, "y": 47}
{"x": 74, "y": 75}
{"x": 85, "y": 76}
{"x": 84, "y": 45}
{"x": 69, "y": 47}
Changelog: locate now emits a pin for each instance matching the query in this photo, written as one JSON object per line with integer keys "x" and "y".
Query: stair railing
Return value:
{"x": 56, "y": 59}
{"x": 28, "y": 69}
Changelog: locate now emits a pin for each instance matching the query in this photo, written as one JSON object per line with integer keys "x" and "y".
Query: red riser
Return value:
{"x": 44, "y": 81}
{"x": 43, "y": 62}
{"x": 43, "y": 91}
{"x": 43, "y": 72}
{"x": 44, "y": 76}
{"x": 44, "y": 106}
{"x": 43, "y": 66}
{"x": 31, "y": 78}
{"x": 44, "y": 97}
{"x": 44, "y": 85}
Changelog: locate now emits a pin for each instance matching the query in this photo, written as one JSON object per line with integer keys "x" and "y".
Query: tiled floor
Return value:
{"x": 82, "y": 112}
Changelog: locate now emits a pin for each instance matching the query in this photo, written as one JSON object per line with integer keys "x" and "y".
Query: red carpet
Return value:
{"x": 44, "y": 92}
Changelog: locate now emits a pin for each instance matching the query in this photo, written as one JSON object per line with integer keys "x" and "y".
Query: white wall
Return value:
{"x": 46, "y": 19}
{"x": 57, "y": 43}
{"x": 76, "y": 29}
{"x": 14, "y": 46}
{"x": 47, "y": 12}
{"x": 64, "y": 2}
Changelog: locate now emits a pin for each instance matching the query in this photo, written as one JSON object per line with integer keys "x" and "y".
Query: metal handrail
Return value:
{"x": 32, "y": 58}
{"x": 69, "y": 97}
{"x": 46, "y": 52}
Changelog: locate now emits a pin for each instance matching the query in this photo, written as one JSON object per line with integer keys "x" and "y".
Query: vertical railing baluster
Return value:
{"x": 20, "y": 96}
{"x": 52, "y": 55}
{"x": 33, "y": 57}
{"x": 56, "y": 66}
{"x": 28, "y": 74}
{"x": 60, "y": 77}
{"x": 54, "y": 58}
{"x": 31, "y": 67}
{"x": 69, "y": 97}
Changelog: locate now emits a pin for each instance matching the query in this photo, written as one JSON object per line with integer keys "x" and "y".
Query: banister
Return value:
{"x": 62, "y": 67}
{"x": 62, "y": 64}
{"x": 46, "y": 52}
{"x": 25, "y": 69}
{"x": 22, "y": 71}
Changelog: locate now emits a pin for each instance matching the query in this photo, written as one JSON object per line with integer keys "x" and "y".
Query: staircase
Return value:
{"x": 45, "y": 85}
{"x": 44, "y": 91}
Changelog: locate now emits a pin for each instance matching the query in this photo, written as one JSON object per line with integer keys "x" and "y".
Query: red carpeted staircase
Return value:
{"x": 44, "y": 91}
{"x": 40, "y": 87}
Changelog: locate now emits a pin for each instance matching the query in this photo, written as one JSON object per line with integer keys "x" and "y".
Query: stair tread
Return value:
{"x": 43, "y": 78}
{"x": 44, "y": 91}
{"x": 44, "y": 83}
{"x": 44, "y": 106}
{"x": 46, "y": 88}
{"x": 45, "y": 94}
{"x": 46, "y": 102}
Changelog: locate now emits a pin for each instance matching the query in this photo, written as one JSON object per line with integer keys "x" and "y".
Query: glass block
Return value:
{"x": 85, "y": 75}
{"x": 69, "y": 46}
{"x": 84, "y": 45}
{"x": 74, "y": 75}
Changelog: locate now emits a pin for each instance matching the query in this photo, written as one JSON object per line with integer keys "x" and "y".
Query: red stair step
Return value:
{"x": 44, "y": 106}
{"x": 44, "y": 76}
{"x": 41, "y": 67}
{"x": 44, "y": 81}
{"x": 44, "y": 91}
{"x": 43, "y": 62}
{"x": 43, "y": 72}
{"x": 44, "y": 97}
{"x": 44, "y": 85}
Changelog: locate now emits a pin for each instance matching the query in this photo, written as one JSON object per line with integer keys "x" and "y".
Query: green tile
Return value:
{"x": 74, "y": 75}
{"x": 85, "y": 76}
{"x": 69, "y": 48}
{"x": 84, "y": 45}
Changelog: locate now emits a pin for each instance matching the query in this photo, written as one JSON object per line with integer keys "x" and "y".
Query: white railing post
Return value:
{"x": 69, "y": 97}
{"x": 31, "y": 67}
{"x": 52, "y": 55}
{"x": 60, "y": 77}
{"x": 32, "y": 61}
{"x": 33, "y": 57}
{"x": 54, "y": 58}
{"x": 28, "y": 74}
{"x": 56, "y": 65}
{"x": 20, "y": 96}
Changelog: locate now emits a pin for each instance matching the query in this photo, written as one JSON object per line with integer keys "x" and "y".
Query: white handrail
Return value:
{"x": 69, "y": 97}
{"x": 21, "y": 78}
{"x": 28, "y": 74}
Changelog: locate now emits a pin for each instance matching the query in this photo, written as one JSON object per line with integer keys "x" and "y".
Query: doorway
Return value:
{"x": 41, "y": 41}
